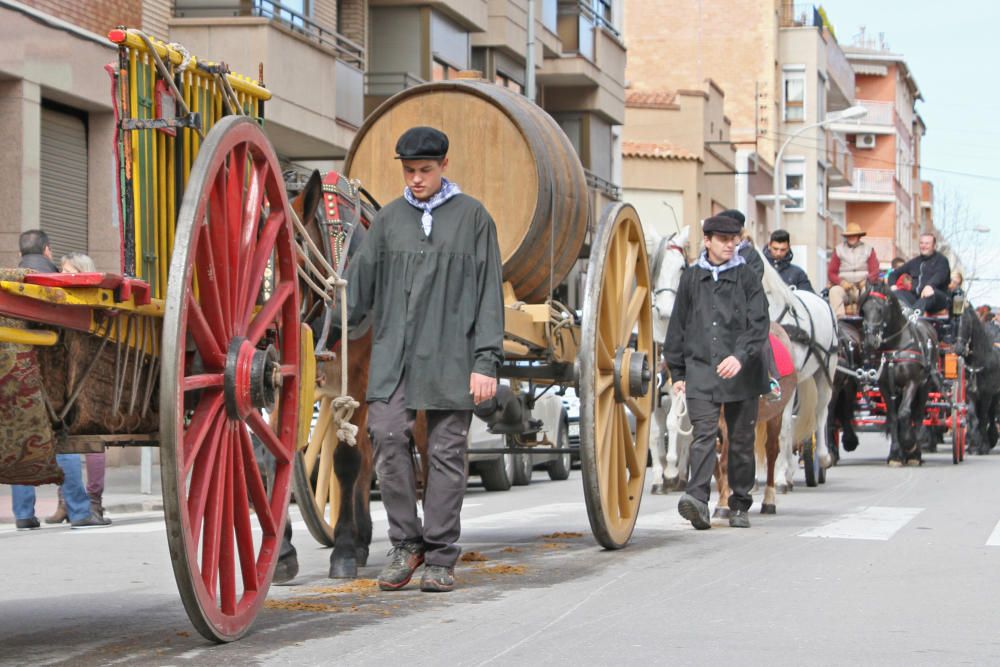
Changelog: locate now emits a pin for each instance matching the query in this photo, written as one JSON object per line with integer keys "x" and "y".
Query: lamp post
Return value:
{"x": 849, "y": 113}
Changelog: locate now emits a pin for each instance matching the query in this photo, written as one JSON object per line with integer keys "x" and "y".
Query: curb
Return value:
{"x": 134, "y": 507}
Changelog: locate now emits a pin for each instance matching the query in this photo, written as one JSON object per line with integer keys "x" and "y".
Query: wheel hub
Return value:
{"x": 252, "y": 378}
{"x": 632, "y": 374}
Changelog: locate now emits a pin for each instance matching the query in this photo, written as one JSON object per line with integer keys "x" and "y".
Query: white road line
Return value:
{"x": 994, "y": 540}
{"x": 871, "y": 523}
{"x": 529, "y": 516}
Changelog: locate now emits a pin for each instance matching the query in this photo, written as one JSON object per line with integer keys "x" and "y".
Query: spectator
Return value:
{"x": 36, "y": 254}
{"x": 852, "y": 265}
{"x": 985, "y": 314}
{"x": 77, "y": 262}
{"x": 779, "y": 253}
{"x": 890, "y": 275}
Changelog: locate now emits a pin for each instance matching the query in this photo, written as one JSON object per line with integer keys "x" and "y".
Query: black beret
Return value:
{"x": 422, "y": 143}
{"x": 721, "y": 224}
{"x": 735, "y": 215}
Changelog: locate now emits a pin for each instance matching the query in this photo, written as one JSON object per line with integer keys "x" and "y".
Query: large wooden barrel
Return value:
{"x": 506, "y": 152}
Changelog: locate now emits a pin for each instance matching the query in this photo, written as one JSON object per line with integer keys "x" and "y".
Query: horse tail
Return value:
{"x": 760, "y": 442}
{"x": 805, "y": 422}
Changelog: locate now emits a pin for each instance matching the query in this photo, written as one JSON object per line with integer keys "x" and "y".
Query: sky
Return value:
{"x": 952, "y": 51}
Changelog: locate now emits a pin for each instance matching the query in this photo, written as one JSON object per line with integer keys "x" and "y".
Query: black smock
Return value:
{"x": 436, "y": 300}
{"x": 711, "y": 320}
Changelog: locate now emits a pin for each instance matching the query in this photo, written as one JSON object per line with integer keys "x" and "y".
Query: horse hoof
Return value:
{"x": 658, "y": 490}
{"x": 677, "y": 484}
{"x": 768, "y": 508}
{"x": 826, "y": 461}
{"x": 895, "y": 464}
{"x": 914, "y": 462}
{"x": 343, "y": 568}
{"x": 721, "y": 513}
{"x": 362, "y": 556}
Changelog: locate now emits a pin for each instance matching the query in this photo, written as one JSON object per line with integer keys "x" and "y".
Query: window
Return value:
{"x": 795, "y": 183}
{"x": 441, "y": 71}
{"x": 821, "y": 96}
{"x": 502, "y": 79}
{"x": 821, "y": 190}
{"x": 794, "y": 96}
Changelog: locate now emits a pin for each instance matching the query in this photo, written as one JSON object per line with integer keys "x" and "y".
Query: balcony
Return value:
{"x": 317, "y": 103}
{"x": 800, "y": 15}
{"x": 880, "y": 119}
{"x": 873, "y": 185}
{"x": 839, "y": 159}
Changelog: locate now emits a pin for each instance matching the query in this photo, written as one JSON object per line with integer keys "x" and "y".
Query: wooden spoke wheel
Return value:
{"x": 616, "y": 367}
{"x": 231, "y": 368}
{"x": 317, "y": 491}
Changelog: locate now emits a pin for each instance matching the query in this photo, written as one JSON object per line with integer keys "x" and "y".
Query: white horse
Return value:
{"x": 668, "y": 261}
{"x": 813, "y": 330}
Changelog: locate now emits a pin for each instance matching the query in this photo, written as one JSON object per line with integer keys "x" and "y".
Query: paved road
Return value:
{"x": 879, "y": 566}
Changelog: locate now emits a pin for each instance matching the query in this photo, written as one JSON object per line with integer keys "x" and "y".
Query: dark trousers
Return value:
{"x": 391, "y": 427}
{"x": 741, "y": 420}
{"x": 934, "y": 303}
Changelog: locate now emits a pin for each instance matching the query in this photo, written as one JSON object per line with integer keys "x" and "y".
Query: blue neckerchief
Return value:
{"x": 703, "y": 262}
{"x": 447, "y": 191}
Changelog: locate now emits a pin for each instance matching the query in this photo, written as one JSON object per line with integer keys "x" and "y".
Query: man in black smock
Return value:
{"x": 429, "y": 270}
{"x": 717, "y": 330}
{"x": 931, "y": 273}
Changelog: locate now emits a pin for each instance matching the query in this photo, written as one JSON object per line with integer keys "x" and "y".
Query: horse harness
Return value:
{"x": 807, "y": 339}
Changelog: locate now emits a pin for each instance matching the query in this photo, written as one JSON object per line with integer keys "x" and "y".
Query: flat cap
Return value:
{"x": 735, "y": 215}
{"x": 721, "y": 224}
{"x": 422, "y": 143}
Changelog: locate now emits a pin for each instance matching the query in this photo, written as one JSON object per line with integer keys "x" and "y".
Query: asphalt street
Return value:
{"x": 878, "y": 566}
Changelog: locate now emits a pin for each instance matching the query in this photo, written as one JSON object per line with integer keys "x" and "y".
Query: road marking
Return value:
{"x": 529, "y": 516}
{"x": 994, "y": 540}
{"x": 871, "y": 523}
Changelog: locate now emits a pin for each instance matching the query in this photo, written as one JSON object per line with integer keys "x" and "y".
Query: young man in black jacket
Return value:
{"x": 779, "y": 253}
{"x": 931, "y": 273}
{"x": 717, "y": 330}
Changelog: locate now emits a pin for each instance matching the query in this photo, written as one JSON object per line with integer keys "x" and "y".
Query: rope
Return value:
{"x": 678, "y": 410}
{"x": 343, "y": 408}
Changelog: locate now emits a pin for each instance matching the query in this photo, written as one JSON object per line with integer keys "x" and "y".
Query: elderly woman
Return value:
{"x": 78, "y": 262}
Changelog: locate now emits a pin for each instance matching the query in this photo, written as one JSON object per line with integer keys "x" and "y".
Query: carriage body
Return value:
{"x": 196, "y": 345}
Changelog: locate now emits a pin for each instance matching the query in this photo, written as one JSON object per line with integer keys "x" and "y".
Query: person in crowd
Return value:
{"x": 718, "y": 327}
{"x": 429, "y": 270}
{"x": 931, "y": 273}
{"x": 853, "y": 264}
{"x": 746, "y": 250}
{"x": 985, "y": 313}
{"x": 779, "y": 253}
{"x": 890, "y": 275}
{"x": 36, "y": 254}
{"x": 78, "y": 262}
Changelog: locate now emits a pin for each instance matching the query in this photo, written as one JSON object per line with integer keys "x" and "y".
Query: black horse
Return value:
{"x": 982, "y": 363}
{"x": 845, "y": 387}
{"x": 908, "y": 359}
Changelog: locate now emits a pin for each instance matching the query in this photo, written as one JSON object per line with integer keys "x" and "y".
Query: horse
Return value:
{"x": 812, "y": 328}
{"x": 982, "y": 364}
{"x": 840, "y": 421}
{"x": 336, "y": 220}
{"x": 774, "y": 421}
{"x": 667, "y": 263}
{"x": 908, "y": 358}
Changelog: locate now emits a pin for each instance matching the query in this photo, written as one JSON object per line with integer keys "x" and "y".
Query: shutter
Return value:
{"x": 64, "y": 182}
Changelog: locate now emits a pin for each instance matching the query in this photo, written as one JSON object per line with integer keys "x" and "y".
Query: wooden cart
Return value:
{"x": 197, "y": 344}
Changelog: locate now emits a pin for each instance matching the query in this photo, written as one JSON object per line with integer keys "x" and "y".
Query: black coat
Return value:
{"x": 933, "y": 270}
{"x": 752, "y": 257}
{"x": 36, "y": 262}
{"x": 792, "y": 275}
{"x": 712, "y": 320}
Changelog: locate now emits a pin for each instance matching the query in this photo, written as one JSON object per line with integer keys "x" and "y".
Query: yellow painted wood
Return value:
{"x": 92, "y": 297}
{"x": 28, "y": 336}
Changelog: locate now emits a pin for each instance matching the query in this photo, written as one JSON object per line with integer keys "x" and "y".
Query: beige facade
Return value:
{"x": 678, "y": 163}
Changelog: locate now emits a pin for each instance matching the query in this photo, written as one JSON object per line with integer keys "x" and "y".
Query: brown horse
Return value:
{"x": 337, "y": 220}
{"x": 770, "y": 418}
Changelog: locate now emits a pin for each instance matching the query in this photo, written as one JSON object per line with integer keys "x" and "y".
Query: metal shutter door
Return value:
{"x": 64, "y": 182}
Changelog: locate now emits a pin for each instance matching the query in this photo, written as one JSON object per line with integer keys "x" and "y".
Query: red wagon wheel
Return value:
{"x": 231, "y": 368}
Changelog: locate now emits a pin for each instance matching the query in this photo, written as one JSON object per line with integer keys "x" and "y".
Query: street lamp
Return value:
{"x": 849, "y": 113}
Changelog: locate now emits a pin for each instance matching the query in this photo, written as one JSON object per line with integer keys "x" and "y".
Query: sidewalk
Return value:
{"x": 121, "y": 495}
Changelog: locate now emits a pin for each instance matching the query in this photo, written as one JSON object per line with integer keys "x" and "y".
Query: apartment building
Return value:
{"x": 677, "y": 159}
{"x": 55, "y": 97}
{"x": 885, "y": 194}
{"x": 578, "y": 60}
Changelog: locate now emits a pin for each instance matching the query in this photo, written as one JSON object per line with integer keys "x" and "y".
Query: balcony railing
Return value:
{"x": 879, "y": 113}
{"x": 839, "y": 155}
{"x": 386, "y": 84}
{"x": 577, "y": 22}
{"x": 871, "y": 182}
{"x": 290, "y": 18}
{"x": 797, "y": 15}
{"x": 595, "y": 182}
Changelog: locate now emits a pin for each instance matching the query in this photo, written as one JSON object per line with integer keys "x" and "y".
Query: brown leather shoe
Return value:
{"x": 59, "y": 516}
